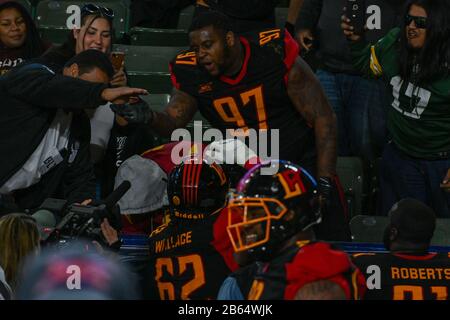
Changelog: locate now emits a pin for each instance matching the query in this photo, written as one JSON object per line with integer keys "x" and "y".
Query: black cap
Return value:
{"x": 414, "y": 220}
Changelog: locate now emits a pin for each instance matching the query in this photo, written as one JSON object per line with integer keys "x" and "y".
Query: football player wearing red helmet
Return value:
{"x": 192, "y": 254}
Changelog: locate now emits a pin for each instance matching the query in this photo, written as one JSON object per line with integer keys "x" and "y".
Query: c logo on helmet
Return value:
{"x": 292, "y": 183}
{"x": 176, "y": 200}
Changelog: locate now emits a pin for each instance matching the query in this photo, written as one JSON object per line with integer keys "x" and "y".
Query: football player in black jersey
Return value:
{"x": 269, "y": 220}
{"x": 255, "y": 83}
{"x": 409, "y": 271}
{"x": 192, "y": 254}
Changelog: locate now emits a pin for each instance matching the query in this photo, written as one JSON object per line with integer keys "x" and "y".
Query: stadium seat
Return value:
{"x": 368, "y": 228}
{"x": 51, "y": 17}
{"x": 158, "y": 37}
{"x": 351, "y": 175}
{"x": 371, "y": 229}
{"x": 374, "y": 186}
{"x": 283, "y": 4}
{"x": 185, "y": 18}
{"x": 148, "y": 67}
{"x": 280, "y": 17}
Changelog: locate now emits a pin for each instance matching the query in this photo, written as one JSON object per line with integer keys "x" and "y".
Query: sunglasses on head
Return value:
{"x": 420, "y": 22}
{"x": 91, "y": 8}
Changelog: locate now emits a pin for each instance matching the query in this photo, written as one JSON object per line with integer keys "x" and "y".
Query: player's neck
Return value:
{"x": 238, "y": 56}
{"x": 301, "y": 236}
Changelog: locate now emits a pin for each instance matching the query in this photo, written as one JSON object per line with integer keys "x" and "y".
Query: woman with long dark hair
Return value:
{"x": 415, "y": 61}
{"x": 19, "y": 38}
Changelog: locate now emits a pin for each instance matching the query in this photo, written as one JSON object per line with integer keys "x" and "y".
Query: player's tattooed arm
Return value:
{"x": 309, "y": 99}
{"x": 177, "y": 114}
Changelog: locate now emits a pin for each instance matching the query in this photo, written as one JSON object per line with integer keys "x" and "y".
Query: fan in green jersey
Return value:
{"x": 415, "y": 61}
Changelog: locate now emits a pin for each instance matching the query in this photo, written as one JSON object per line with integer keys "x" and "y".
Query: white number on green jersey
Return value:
{"x": 422, "y": 94}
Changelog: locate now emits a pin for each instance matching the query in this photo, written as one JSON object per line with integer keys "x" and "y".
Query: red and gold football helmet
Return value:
{"x": 266, "y": 210}
{"x": 196, "y": 189}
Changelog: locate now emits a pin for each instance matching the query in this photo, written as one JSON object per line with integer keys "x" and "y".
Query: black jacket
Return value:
{"x": 323, "y": 18}
{"x": 30, "y": 96}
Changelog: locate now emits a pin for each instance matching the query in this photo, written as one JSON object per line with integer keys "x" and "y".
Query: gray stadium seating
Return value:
{"x": 148, "y": 67}
{"x": 371, "y": 228}
{"x": 351, "y": 175}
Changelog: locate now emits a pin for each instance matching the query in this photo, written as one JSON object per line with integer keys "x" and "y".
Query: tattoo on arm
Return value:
{"x": 177, "y": 114}
{"x": 308, "y": 97}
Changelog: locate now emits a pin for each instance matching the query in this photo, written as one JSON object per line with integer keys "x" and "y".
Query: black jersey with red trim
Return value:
{"x": 405, "y": 276}
{"x": 256, "y": 97}
{"x": 190, "y": 257}
{"x": 301, "y": 264}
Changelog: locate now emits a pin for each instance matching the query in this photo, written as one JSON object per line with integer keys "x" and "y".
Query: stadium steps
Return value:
{"x": 148, "y": 66}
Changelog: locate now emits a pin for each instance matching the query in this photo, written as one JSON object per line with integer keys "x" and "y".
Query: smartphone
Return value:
{"x": 117, "y": 59}
{"x": 356, "y": 12}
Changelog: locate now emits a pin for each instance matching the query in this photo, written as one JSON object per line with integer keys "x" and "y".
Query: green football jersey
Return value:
{"x": 419, "y": 117}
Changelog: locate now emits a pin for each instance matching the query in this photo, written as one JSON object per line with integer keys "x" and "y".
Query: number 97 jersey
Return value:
{"x": 256, "y": 97}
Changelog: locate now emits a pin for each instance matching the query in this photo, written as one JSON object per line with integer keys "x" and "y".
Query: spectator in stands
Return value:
{"x": 415, "y": 61}
{"x": 19, "y": 237}
{"x": 112, "y": 138}
{"x": 56, "y": 274}
{"x": 143, "y": 206}
{"x": 360, "y": 104}
{"x": 53, "y": 160}
{"x": 96, "y": 32}
{"x": 19, "y": 38}
{"x": 270, "y": 219}
{"x": 409, "y": 270}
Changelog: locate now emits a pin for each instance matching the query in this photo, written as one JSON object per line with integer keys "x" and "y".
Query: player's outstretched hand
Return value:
{"x": 138, "y": 112}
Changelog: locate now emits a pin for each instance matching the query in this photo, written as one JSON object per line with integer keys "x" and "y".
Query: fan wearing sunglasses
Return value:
{"x": 95, "y": 32}
{"x": 415, "y": 61}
